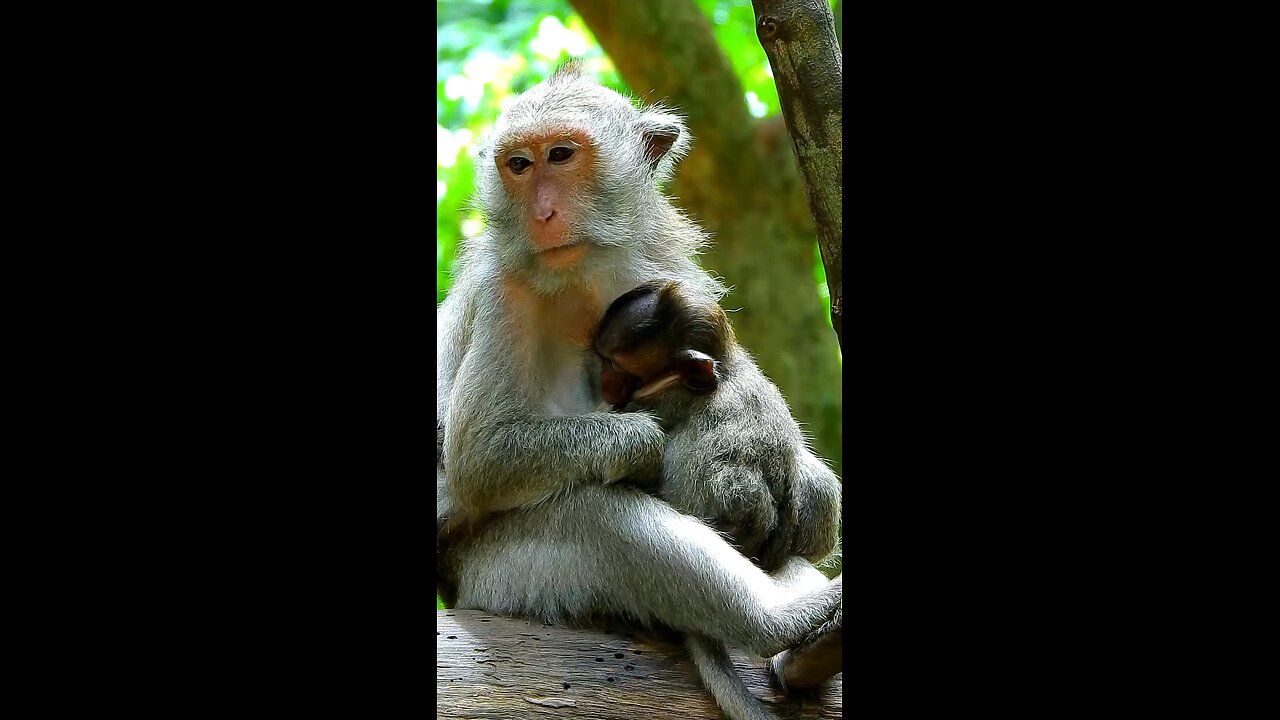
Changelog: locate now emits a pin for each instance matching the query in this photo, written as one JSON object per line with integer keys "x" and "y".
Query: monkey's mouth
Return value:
{"x": 565, "y": 246}
{"x": 563, "y": 256}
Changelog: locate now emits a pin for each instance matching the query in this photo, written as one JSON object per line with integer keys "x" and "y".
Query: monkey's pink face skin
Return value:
{"x": 547, "y": 172}
{"x": 622, "y": 373}
{"x": 616, "y": 385}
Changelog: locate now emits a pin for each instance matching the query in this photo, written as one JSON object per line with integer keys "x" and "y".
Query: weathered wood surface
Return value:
{"x": 496, "y": 668}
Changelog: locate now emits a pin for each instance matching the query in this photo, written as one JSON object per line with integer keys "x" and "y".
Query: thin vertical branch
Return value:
{"x": 799, "y": 38}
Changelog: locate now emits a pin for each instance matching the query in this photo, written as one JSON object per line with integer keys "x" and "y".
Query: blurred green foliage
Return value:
{"x": 488, "y": 51}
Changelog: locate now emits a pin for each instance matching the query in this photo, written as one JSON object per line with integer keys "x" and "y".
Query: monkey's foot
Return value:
{"x": 818, "y": 657}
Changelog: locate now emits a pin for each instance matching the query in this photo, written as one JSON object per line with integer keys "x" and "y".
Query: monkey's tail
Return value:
{"x": 721, "y": 679}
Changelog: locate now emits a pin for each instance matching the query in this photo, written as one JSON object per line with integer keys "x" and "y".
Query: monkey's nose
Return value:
{"x": 544, "y": 215}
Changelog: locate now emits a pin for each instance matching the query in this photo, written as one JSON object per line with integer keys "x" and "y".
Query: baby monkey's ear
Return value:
{"x": 697, "y": 371}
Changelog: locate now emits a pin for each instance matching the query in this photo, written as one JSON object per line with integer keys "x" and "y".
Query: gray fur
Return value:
{"x": 530, "y": 517}
{"x": 737, "y": 458}
{"x": 619, "y": 552}
{"x": 721, "y": 679}
{"x": 496, "y": 397}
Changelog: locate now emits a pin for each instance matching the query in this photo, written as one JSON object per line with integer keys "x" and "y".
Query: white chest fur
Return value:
{"x": 567, "y": 390}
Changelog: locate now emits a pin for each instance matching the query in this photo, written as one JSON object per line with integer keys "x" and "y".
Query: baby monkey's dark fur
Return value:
{"x": 734, "y": 454}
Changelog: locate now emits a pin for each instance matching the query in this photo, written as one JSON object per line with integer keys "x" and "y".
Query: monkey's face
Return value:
{"x": 648, "y": 370}
{"x": 547, "y": 172}
{"x": 648, "y": 341}
{"x": 569, "y": 178}
{"x": 622, "y": 372}
{"x": 616, "y": 385}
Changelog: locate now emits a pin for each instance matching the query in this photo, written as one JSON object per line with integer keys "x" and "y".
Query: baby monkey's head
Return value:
{"x": 658, "y": 335}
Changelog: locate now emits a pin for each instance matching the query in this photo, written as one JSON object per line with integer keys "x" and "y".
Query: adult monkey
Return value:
{"x": 535, "y": 519}
{"x": 567, "y": 185}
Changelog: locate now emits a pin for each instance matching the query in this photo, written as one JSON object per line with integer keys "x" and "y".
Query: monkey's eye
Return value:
{"x": 560, "y": 154}
{"x": 519, "y": 164}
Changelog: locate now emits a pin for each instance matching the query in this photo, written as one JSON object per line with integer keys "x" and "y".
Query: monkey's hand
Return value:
{"x": 642, "y": 465}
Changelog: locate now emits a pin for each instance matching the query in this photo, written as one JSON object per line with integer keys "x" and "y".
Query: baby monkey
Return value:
{"x": 655, "y": 336}
{"x": 734, "y": 456}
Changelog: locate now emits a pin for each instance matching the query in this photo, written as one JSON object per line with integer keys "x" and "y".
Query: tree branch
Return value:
{"x": 488, "y": 666}
{"x": 799, "y": 39}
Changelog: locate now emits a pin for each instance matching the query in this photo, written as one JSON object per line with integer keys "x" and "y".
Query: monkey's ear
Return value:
{"x": 698, "y": 371}
{"x": 657, "y": 143}
{"x": 663, "y": 132}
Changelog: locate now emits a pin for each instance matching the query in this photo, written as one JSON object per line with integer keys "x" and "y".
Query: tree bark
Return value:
{"x": 799, "y": 38}
{"x": 741, "y": 183}
{"x": 488, "y": 666}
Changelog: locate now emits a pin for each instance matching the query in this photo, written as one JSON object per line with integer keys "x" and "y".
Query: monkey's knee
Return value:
{"x": 799, "y": 575}
{"x": 816, "y": 658}
{"x": 792, "y": 622}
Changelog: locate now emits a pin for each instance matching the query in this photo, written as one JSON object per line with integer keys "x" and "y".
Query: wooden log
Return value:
{"x": 490, "y": 667}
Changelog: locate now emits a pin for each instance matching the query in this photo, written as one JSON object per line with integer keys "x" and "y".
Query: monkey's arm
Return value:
{"x": 453, "y": 333}
{"x": 515, "y": 461}
{"x": 504, "y": 451}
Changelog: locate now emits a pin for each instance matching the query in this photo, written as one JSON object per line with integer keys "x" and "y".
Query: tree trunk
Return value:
{"x": 742, "y": 184}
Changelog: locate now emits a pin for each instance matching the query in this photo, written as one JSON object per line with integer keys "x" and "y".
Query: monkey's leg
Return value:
{"x": 618, "y": 551}
{"x": 816, "y": 658}
{"x": 820, "y": 654}
{"x": 721, "y": 679}
{"x": 799, "y": 574}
